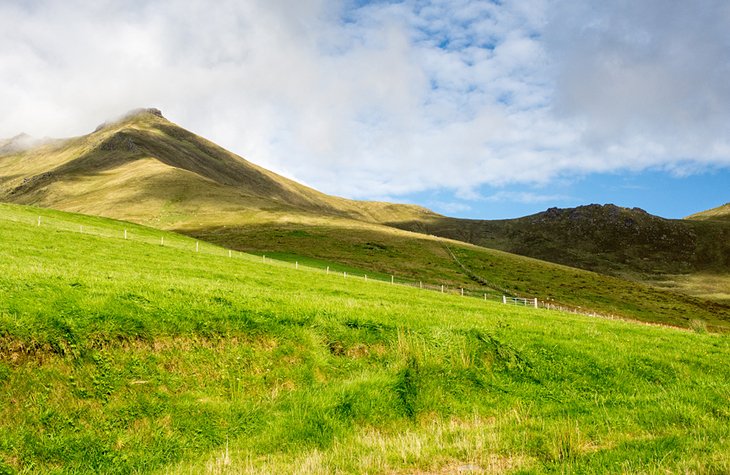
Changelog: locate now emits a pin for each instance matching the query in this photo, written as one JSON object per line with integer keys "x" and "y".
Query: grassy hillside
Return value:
{"x": 121, "y": 356}
{"x": 478, "y": 270}
{"x": 361, "y": 249}
{"x": 721, "y": 213}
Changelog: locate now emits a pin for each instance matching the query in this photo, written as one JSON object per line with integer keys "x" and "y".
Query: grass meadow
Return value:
{"x": 128, "y": 356}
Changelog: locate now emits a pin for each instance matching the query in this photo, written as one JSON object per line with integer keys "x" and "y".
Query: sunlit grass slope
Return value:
{"x": 477, "y": 269}
{"x": 125, "y": 356}
{"x": 721, "y": 213}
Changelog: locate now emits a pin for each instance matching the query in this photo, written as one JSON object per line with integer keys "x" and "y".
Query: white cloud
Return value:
{"x": 386, "y": 98}
{"x": 526, "y": 197}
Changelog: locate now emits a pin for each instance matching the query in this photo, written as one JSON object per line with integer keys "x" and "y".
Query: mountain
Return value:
{"x": 721, "y": 213}
{"x": 603, "y": 238}
{"x": 147, "y": 169}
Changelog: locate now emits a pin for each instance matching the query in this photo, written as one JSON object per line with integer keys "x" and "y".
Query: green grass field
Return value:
{"x": 125, "y": 356}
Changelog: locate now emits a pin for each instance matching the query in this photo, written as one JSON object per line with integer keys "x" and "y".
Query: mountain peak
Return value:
{"x": 143, "y": 111}
{"x": 134, "y": 114}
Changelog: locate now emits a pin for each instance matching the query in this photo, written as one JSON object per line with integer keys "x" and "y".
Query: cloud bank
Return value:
{"x": 385, "y": 99}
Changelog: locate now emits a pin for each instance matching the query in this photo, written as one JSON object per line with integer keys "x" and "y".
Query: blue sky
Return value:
{"x": 474, "y": 108}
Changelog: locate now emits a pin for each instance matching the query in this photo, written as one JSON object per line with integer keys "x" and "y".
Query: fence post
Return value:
{"x": 366, "y": 277}
{"x": 39, "y": 220}
{"x": 125, "y": 234}
{"x": 485, "y": 297}
{"x": 229, "y": 253}
{"x": 162, "y": 241}
{"x": 462, "y": 291}
{"x": 420, "y": 284}
{"x": 344, "y": 274}
{"x": 442, "y": 288}
{"x": 535, "y": 302}
{"x": 504, "y": 299}
{"x": 263, "y": 258}
{"x": 296, "y": 264}
{"x": 392, "y": 279}
{"x": 328, "y": 270}
{"x": 196, "y": 246}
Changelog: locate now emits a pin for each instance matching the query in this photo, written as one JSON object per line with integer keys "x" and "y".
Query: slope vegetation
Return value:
{"x": 721, "y": 213}
{"x": 126, "y": 356}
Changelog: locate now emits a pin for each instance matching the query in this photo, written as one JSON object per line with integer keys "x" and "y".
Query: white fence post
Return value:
{"x": 462, "y": 291}
{"x": 485, "y": 297}
{"x": 39, "y": 220}
{"x": 504, "y": 299}
{"x": 296, "y": 264}
{"x": 328, "y": 270}
{"x": 125, "y": 234}
{"x": 366, "y": 277}
{"x": 162, "y": 241}
{"x": 197, "y": 247}
{"x": 442, "y": 288}
{"x": 392, "y": 279}
{"x": 535, "y": 302}
{"x": 229, "y": 253}
{"x": 344, "y": 274}
{"x": 420, "y": 284}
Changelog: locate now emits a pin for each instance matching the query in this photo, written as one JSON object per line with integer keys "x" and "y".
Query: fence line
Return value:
{"x": 151, "y": 237}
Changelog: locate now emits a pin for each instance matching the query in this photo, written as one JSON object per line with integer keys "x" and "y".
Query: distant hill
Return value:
{"x": 603, "y": 238}
{"x": 721, "y": 213}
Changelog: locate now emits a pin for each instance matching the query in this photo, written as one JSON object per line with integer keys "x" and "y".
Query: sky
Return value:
{"x": 481, "y": 109}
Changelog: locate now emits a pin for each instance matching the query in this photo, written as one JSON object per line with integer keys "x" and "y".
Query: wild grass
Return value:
{"x": 708, "y": 286}
{"x": 130, "y": 357}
